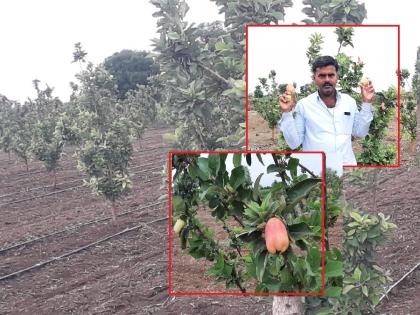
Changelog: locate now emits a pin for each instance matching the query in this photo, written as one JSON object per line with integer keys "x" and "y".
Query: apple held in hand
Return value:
{"x": 276, "y": 236}
{"x": 364, "y": 82}
{"x": 290, "y": 89}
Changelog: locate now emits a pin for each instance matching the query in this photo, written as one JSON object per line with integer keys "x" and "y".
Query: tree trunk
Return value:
{"x": 113, "y": 210}
{"x": 272, "y": 133}
{"x": 287, "y": 305}
{"x": 417, "y": 89}
{"x": 418, "y": 127}
{"x": 55, "y": 179}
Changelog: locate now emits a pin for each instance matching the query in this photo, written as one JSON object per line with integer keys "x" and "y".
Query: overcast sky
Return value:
{"x": 37, "y": 37}
{"x": 283, "y": 49}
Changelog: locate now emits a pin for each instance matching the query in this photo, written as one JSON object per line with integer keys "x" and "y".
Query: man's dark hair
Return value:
{"x": 324, "y": 61}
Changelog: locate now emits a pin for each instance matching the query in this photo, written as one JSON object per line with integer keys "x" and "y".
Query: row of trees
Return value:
{"x": 99, "y": 120}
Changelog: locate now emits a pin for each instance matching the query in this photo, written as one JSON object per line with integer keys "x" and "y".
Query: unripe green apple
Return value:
{"x": 179, "y": 224}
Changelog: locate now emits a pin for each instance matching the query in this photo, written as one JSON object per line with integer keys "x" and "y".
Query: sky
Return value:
{"x": 283, "y": 49}
{"x": 38, "y": 37}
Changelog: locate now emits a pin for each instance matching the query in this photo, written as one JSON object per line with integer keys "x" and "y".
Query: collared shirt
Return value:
{"x": 319, "y": 128}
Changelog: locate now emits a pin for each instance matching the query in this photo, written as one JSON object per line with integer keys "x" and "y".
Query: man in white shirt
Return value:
{"x": 326, "y": 119}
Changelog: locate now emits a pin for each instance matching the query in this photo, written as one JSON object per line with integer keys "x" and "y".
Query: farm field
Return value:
{"x": 125, "y": 274}
{"x": 397, "y": 197}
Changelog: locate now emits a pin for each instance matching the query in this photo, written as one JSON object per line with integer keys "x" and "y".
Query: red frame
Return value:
{"x": 175, "y": 293}
{"x": 398, "y": 165}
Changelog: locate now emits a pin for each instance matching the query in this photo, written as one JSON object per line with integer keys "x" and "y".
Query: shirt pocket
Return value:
{"x": 345, "y": 120}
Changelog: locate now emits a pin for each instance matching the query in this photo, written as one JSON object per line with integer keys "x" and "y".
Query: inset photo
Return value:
{"x": 325, "y": 88}
{"x": 246, "y": 223}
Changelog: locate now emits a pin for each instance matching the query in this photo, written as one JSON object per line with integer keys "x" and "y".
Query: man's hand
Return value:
{"x": 288, "y": 99}
{"x": 367, "y": 91}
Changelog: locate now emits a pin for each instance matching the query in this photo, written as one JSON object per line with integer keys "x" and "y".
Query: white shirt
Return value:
{"x": 319, "y": 128}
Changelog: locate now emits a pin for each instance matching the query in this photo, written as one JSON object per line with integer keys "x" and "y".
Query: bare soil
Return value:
{"x": 397, "y": 197}
{"x": 126, "y": 274}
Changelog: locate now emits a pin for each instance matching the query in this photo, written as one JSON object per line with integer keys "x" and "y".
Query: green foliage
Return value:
{"x": 404, "y": 74}
{"x": 408, "y": 114}
{"x": 314, "y": 50}
{"x": 106, "y": 133}
{"x": 334, "y": 12}
{"x": 204, "y": 69}
{"x": 79, "y": 54}
{"x": 268, "y": 106}
{"x": 355, "y": 289}
{"x": 344, "y": 36}
{"x": 21, "y": 132}
{"x": 7, "y": 122}
{"x": 242, "y": 208}
{"x": 130, "y": 68}
{"x": 47, "y": 142}
{"x": 350, "y": 74}
{"x": 375, "y": 151}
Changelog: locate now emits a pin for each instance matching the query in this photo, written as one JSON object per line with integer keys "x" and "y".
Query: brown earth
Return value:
{"x": 397, "y": 197}
{"x": 126, "y": 274}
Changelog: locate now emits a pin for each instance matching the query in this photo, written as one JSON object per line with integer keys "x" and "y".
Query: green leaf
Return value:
{"x": 248, "y": 159}
{"x": 214, "y": 163}
{"x": 357, "y": 274}
{"x": 292, "y": 165}
{"x": 256, "y": 190}
{"x": 178, "y": 204}
{"x": 173, "y": 36}
{"x": 261, "y": 263}
{"x": 203, "y": 168}
{"x": 266, "y": 201}
{"x": 324, "y": 311}
{"x": 237, "y": 178}
{"x": 237, "y": 160}
{"x": 272, "y": 168}
{"x": 356, "y": 216}
{"x": 334, "y": 269}
{"x": 301, "y": 190}
{"x": 299, "y": 231}
{"x": 348, "y": 288}
{"x": 365, "y": 290}
{"x": 333, "y": 291}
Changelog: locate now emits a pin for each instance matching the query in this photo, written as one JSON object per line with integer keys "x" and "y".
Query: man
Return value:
{"x": 326, "y": 119}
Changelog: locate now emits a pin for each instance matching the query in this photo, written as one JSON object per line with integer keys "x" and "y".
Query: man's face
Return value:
{"x": 326, "y": 79}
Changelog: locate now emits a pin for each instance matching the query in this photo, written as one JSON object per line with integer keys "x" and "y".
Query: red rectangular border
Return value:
{"x": 175, "y": 293}
{"x": 398, "y": 165}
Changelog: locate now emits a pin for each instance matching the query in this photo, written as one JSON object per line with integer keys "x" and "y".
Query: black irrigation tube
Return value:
{"x": 77, "y": 250}
{"x": 43, "y": 171}
{"x": 75, "y": 227}
{"x": 63, "y": 183}
{"x": 38, "y": 188}
{"x": 24, "y": 175}
{"x": 65, "y": 189}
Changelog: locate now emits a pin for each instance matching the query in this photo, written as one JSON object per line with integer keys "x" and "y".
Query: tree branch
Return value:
{"x": 306, "y": 170}
{"x": 214, "y": 73}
